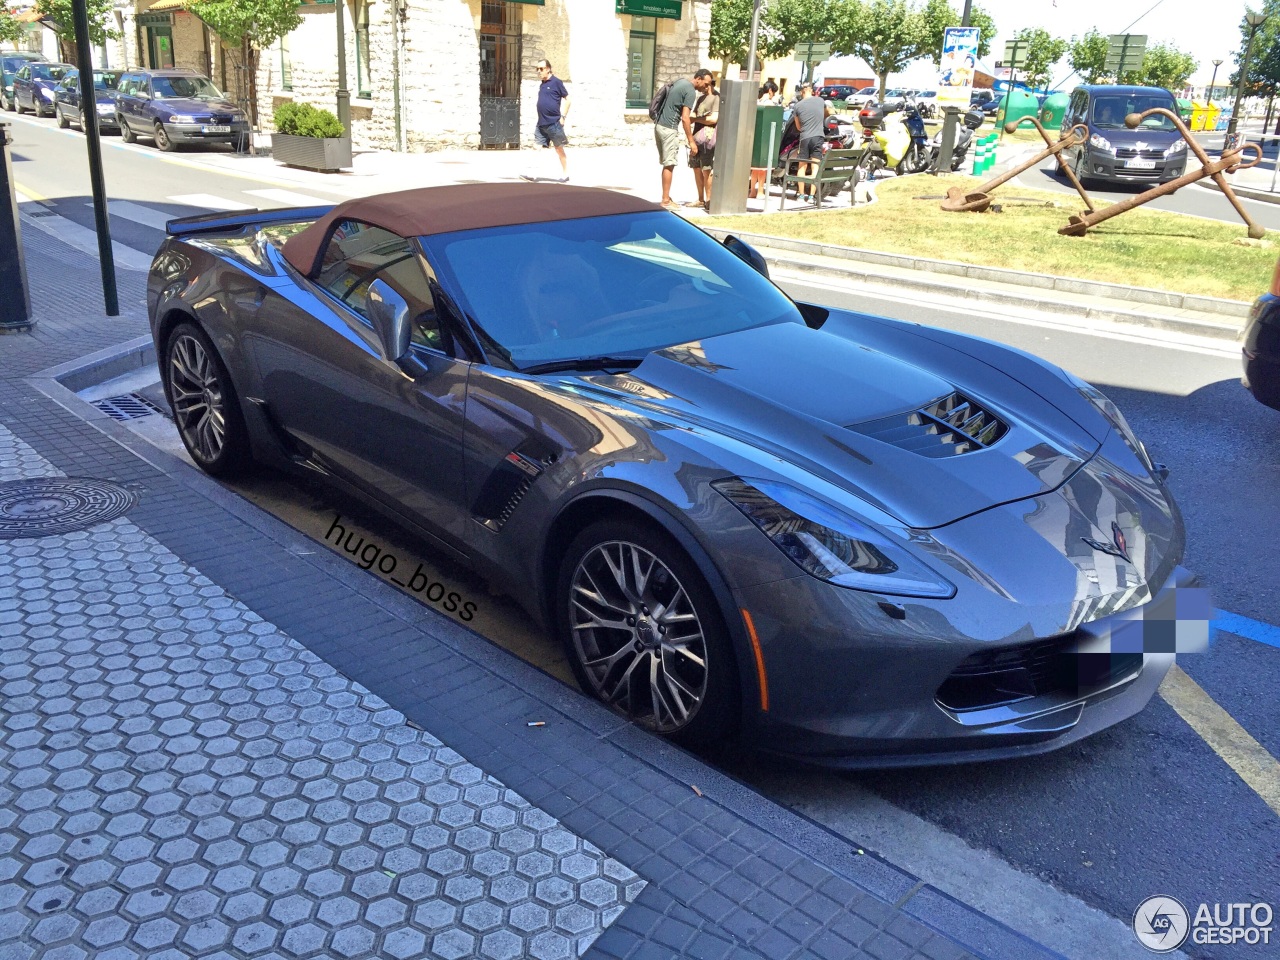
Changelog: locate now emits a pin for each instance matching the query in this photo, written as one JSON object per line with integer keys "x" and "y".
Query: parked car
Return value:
{"x": 858, "y": 540}
{"x": 1261, "y": 350}
{"x": 835, "y": 91}
{"x": 174, "y": 107}
{"x": 926, "y": 102}
{"x": 66, "y": 101}
{"x": 34, "y": 84}
{"x": 1153, "y": 153}
{"x": 10, "y": 63}
{"x": 894, "y": 97}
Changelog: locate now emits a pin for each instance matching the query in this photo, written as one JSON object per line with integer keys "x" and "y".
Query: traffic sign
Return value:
{"x": 812, "y": 52}
{"x": 1015, "y": 53}
{"x": 1125, "y": 52}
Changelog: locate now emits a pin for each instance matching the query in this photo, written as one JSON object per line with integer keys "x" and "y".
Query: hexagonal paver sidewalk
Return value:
{"x": 178, "y": 778}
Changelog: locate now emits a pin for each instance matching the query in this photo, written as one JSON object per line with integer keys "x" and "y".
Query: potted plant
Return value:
{"x": 310, "y": 138}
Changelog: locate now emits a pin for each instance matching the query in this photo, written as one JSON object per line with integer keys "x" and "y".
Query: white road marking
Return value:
{"x": 146, "y": 216}
{"x": 209, "y": 202}
{"x": 288, "y": 198}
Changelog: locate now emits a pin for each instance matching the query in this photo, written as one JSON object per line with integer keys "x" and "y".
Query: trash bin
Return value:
{"x": 767, "y": 118}
{"x": 1053, "y": 110}
{"x": 15, "y": 303}
{"x": 1199, "y": 115}
{"x": 1016, "y": 104}
{"x": 1185, "y": 107}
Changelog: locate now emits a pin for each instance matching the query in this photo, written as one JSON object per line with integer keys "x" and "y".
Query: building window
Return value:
{"x": 286, "y": 65}
{"x": 363, "y": 87}
{"x": 640, "y": 52}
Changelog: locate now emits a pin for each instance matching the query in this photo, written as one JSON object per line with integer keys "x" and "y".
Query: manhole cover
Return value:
{"x": 48, "y": 506}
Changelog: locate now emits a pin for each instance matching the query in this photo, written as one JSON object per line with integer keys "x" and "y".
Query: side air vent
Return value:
{"x": 945, "y": 428}
{"x": 509, "y": 482}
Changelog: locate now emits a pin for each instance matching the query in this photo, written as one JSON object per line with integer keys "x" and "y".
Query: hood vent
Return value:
{"x": 944, "y": 428}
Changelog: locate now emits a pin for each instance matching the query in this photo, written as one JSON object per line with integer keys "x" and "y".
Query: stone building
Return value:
{"x": 429, "y": 74}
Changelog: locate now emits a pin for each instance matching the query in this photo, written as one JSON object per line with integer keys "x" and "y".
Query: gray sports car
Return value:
{"x": 852, "y": 540}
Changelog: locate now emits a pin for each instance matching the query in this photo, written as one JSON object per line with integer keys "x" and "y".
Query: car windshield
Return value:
{"x": 618, "y": 286}
{"x": 106, "y": 79}
{"x": 184, "y": 88}
{"x": 48, "y": 71}
{"x": 1109, "y": 111}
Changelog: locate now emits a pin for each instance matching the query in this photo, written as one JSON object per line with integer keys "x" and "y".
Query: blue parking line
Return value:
{"x": 1249, "y": 629}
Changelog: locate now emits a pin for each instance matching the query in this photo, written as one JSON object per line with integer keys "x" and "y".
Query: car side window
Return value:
{"x": 24, "y": 73}
{"x": 357, "y": 254}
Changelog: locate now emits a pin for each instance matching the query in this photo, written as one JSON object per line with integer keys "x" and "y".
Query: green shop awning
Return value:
{"x": 667, "y": 9}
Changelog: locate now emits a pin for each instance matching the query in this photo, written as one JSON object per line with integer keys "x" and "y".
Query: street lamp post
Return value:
{"x": 1255, "y": 20}
{"x": 1208, "y": 96}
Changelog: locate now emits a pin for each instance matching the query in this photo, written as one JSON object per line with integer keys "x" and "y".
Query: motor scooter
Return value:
{"x": 898, "y": 139}
{"x": 965, "y": 133}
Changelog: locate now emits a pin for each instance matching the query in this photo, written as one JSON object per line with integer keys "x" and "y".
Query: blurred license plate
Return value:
{"x": 1140, "y": 164}
{"x": 215, "y": 128}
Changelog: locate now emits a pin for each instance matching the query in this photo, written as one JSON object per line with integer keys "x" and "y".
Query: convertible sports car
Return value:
{"x": 853, "y": 540}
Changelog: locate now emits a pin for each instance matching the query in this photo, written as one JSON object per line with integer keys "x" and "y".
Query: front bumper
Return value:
{"x": 1106, "y": 166}
{"x": 204, "y": 133}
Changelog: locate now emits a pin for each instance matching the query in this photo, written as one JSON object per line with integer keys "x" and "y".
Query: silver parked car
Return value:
{"x": 856, "y": 540}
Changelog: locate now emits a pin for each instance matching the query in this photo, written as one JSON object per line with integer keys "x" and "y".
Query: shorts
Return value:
{"x": 551, "y": 135}
{"x": 810, "y": 149}
{"x": 705, "y": 157}
{"x": 668, "y": 140}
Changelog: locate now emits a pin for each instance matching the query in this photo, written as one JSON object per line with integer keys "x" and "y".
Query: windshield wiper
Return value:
{"x": 585, "y": 363}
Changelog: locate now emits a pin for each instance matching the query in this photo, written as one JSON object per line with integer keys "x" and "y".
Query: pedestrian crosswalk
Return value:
{"x": 168, "y": 208}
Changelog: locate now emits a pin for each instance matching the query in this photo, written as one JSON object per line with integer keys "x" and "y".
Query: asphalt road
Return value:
{"x": 1146, "y": 808}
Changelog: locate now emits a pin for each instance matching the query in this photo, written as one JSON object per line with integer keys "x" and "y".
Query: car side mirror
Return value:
{"x": 390, "y": 315}
{"x": 747, "y": 254}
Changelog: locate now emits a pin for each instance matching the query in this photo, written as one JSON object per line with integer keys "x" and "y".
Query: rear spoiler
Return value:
{"x": 230, "y": 219}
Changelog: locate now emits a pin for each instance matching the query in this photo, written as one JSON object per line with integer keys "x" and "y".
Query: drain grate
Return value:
{"x": 49, "y": 506}
{"x": 127, "y": 406}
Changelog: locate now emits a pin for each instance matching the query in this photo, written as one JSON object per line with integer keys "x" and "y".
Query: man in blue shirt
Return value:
{"x": 553, "y": 111}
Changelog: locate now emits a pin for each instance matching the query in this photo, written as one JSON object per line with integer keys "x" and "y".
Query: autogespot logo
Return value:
{"x": 1161, "y": 924}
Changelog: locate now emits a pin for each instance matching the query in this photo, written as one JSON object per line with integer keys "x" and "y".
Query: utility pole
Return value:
{"x": 89, "y": 97}
{"x": 1255, "y": 20}
{"x": 344, "y": 96}
{"x": 756, "y": 10}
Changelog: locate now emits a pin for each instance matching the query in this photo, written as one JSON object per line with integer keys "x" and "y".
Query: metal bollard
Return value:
{"x": 15, "y": 301}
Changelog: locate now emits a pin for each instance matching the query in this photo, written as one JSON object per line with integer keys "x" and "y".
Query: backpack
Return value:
{"x": 659, "y": 101}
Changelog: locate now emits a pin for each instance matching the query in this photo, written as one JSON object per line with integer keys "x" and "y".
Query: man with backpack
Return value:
{"x": 670, "y": 110}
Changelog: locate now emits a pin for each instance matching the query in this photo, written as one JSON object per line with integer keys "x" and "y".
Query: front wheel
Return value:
{"x": 163, "y": 140}
{"x": 204, "y": 402}
{"x": 63, "y": 122}
{"x": 644, "y": 633}
{"x": 126, "y": 132}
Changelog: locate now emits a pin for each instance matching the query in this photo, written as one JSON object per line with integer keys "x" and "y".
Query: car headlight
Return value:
{"x": 182, "y": 118}
{"x": 1100, "y": 142}
{"x": 830, "y": 544}
{"x": 1178, "y": 146}
{"x": 1111, "y": 413}
{"x": 46, "y": 92}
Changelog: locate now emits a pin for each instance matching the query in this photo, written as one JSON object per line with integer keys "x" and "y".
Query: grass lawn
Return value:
{"x": 1142, "y": 248}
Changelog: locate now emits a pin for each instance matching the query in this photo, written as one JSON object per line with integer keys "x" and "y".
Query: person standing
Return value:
{"x": 808, "y": 117}
{"x": 553, "y": 112}
{"x": 706, "y": 112}
{"x": 674, "y": 120}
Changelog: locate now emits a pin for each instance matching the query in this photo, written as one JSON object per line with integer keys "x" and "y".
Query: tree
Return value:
{"x": 1163, "y": 66}
{"x": 887, "y": 34}
{"x": 10, "y": 29}
{"x": 59, "y": 11}
{"x": 792, "y": 22}
{"x": 1088, "y": 57}
{"x": 1042, "y": 52}
{"x": 730, "y": 32}
{"x": 251, "y": 25}
{"x": 986, "y": 29}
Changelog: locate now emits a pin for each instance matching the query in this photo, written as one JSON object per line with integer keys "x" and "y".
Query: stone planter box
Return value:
{"x": 313, "y": 153}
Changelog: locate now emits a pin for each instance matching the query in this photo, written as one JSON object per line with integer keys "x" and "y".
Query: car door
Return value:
{"x": 22, "y": 88}
{"x": 392, "y": 430}
{"x": 68, "y": 94}
{"x": 130, "y": 100}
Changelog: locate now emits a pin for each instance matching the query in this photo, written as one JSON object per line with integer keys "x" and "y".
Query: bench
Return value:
{"x": 835, "y": 167}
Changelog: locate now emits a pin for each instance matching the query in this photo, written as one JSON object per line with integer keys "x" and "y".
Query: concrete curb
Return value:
{"x": 1249, "y": 193}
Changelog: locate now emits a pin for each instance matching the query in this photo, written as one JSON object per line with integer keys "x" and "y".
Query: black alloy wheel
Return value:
{"x": 204, "y": 403}
{"x": 126, "y": 132}
{"x": 163, "y": 140}
{"x": 644, "y": 634}
{"x": 1082, "y": 165}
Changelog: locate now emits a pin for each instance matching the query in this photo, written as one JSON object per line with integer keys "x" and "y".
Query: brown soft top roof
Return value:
{"x": 468, "y": 206}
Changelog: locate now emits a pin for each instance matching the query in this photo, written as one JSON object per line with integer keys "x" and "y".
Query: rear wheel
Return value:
{"x": 644, "y": 633}
{"x": 163, "y": 140}
{"x": 205, "y": 406}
